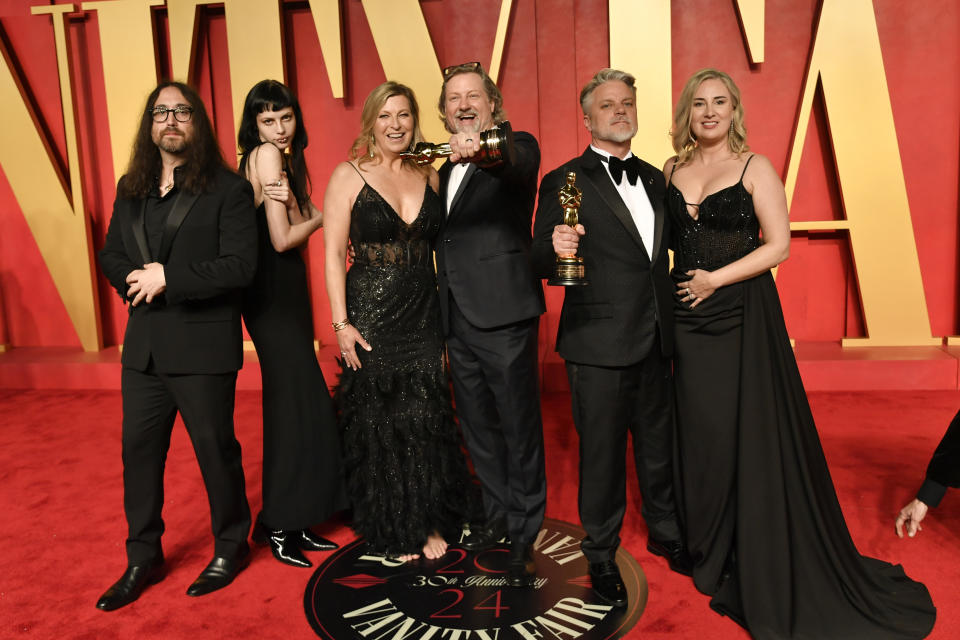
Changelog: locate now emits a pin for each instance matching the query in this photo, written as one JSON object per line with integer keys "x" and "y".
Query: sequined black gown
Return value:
{"x": 763, "y": 523}
{"x": 406, "y": 474}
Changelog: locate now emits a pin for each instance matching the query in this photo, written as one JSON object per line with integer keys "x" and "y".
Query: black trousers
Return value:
{"x": 150, "y": 404}
{"x": 608, "y": 403}
{"x": 497, "y": 393}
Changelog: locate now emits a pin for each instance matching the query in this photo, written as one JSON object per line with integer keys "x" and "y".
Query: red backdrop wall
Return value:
{"x": 552, "y": 49}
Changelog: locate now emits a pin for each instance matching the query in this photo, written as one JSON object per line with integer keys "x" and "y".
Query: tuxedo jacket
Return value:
{"x": 483, "y": 248}
{"x": 612, "y": 321}
{"x": 209, "y": 253}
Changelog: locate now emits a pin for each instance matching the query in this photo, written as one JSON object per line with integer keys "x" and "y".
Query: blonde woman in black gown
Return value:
{"x": 764, "y": 526}
{"x": 302, "y": 484}
{"x": 406, "y": 475}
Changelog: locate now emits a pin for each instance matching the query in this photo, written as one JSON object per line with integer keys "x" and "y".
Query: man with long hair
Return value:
{"x": 181, "y": 245}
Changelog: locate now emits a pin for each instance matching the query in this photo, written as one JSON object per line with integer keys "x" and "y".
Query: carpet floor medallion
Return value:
{"x": 464, "y": 594}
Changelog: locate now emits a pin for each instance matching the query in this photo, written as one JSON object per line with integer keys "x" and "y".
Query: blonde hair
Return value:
{"x": 682, "y": 138}
{"x": 364, "y": 147}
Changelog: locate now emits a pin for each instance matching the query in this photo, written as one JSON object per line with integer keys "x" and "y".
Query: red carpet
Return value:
{"x": 63, "y": 530}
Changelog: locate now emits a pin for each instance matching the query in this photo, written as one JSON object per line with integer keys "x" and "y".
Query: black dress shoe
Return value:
{"x": 520, "y": 567}
{"x": 309, "y": 541}
{"x": 486, "y": 537}
{"x": 219, "y": 573}
{"x": 675, "y": 552}
{"x": 131, "y": 584}
{"x": 285, "y": 545}
{"x": 607, "y": 583}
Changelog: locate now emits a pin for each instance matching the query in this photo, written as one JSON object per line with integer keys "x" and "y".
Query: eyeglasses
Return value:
{"x": 466, "y": 67}
{"x": 182, "y": 113}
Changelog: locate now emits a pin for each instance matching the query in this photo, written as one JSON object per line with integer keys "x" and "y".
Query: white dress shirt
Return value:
{"x": 637, "y": 201}
{"x": 456, "y": 177}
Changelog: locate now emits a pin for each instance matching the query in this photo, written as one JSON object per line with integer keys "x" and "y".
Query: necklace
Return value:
{"x": 165, "y": 188}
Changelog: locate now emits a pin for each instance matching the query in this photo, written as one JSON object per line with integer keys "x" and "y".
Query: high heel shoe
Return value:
{"x": 283, "y": 544}
{"x": 309, "y": 541}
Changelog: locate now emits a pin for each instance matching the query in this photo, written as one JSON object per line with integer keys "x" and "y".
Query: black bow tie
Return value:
{"x": 630, "y": 166}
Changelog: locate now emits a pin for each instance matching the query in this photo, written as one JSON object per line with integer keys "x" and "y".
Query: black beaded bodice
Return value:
{"x": 725, "y": 230}
{"x": 380, "y": 237}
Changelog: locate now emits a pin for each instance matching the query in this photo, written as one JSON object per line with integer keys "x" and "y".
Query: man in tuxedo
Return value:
{"x": 491, "y": 304}
{"x": 181, "y": 245}
{"x": 616, "y": 333}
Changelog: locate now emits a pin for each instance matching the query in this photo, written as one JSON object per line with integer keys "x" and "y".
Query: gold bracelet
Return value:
{"x": 343, "y": 324}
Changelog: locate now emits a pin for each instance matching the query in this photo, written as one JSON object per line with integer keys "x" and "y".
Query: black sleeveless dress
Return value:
{"x": 302, "y": 472}
{"x": 406, "y": 474}
{"x": 764, "y": 526}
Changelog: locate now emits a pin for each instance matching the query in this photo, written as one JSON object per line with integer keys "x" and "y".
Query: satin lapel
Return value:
{"x": 181, "y": 207}
{"x": 656, "y": 202}
{"x": 139, "y": 233}
{"x": 444, "y": 174}
{"x": 597, "y": 175}
{"x": 471, "y": 169}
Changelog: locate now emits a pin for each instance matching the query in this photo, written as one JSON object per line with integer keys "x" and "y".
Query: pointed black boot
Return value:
{"x": 283, "y": 544}
{"x": 309, "y": 541}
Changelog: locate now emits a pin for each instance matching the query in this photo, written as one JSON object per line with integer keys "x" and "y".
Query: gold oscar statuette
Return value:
{"x": 496, "y": 147}
{"x": 569, "y": 272}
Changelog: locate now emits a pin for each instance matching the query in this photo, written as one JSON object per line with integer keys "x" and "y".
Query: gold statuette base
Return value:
{"x": 569, "y": 272}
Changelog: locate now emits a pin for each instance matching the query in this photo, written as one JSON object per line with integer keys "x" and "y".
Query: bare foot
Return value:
{"x": 436, "y": 547}
{"x": 408, "y": 557}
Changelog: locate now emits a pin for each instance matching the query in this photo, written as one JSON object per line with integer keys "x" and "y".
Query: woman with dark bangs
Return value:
{"x": 301, "y": 461}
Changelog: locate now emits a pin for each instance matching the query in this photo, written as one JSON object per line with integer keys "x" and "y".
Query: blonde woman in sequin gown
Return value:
{"x": 406, "y": 474}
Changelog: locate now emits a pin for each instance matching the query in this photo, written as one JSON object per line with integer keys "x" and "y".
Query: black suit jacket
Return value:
{"x": 483, "y": 249}
{"x": 612, "y": 321}
{"x": 209, "y": 253}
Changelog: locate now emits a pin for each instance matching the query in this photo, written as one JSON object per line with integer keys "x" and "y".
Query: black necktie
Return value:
{"x": 630, "y": 166}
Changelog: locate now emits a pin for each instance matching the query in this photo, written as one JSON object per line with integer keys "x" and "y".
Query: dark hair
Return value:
{"x": 270, "y": 95}
{"x": 203, "y": 155}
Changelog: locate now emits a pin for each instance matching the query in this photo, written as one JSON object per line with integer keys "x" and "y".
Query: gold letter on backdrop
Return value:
{"x": 254, "y": 43}
{"x": 846, "y": 59}
{"x": 640, "y": 44}
{"x": 406, "y": 52}
{"x": 329, "y": 25}
{"x": 752, "y": 20}
{"x": 129, "y": 68}
{"x": 60, "y": 227}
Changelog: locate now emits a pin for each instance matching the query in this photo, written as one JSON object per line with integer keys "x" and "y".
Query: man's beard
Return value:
{"x": 172, "y": 144}
{"x": 616, "y": 135}
{"x": 472, "y": 126}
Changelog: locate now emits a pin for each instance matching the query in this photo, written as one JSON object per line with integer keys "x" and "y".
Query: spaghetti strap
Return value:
{"x": 358, "y": 172}
{"x": 744, "y": 167}
{"x": 672, "y": 169}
